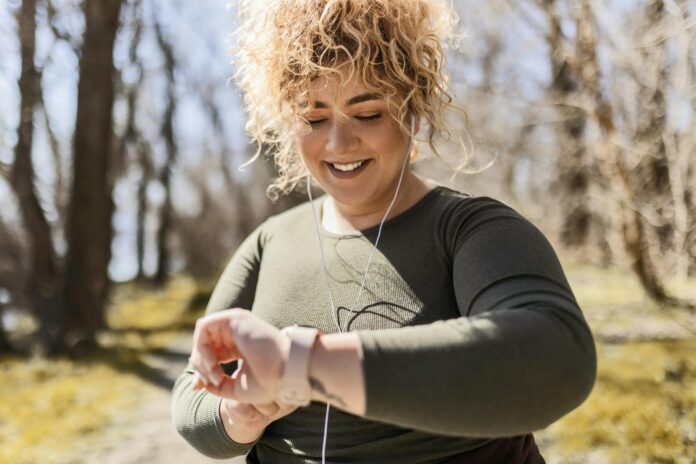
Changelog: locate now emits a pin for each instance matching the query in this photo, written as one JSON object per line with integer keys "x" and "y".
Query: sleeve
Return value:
{"x": 196, "y": 414}
{"x": 520, "y": 356}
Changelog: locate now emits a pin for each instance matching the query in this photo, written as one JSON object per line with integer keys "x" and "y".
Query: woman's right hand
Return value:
{"x": 245, "y": 422}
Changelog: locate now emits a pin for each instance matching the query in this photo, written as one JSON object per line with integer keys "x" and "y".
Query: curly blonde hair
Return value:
{"x": 394, "y": 46}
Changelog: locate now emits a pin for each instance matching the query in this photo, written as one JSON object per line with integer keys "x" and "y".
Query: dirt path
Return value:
{"x": 148, "y": 436}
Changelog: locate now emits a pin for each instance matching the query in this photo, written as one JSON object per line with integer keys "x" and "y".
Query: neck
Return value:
{"x": 346, "y": 218}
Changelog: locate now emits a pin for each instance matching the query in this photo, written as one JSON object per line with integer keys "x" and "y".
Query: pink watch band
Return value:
{"x": 294, "y": 384}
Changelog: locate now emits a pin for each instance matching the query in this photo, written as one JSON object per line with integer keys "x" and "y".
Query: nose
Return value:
{"x": 341, "y": 138}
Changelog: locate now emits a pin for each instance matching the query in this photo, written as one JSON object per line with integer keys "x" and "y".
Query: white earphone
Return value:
{"x": 369, "y": 261}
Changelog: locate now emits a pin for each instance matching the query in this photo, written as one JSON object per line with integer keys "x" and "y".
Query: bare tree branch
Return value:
{"x": 59, "y": 34}
{"x": 523, "y": 12}
{"x": 632, "y": 224}
{"x": 5, "y": 169}
{"x": 167, "y": 132}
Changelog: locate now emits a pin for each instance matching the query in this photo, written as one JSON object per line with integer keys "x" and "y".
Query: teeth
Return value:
{"x": 347, "y": 167}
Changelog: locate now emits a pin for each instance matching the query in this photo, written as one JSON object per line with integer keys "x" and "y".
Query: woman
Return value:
{"x": 419, "y": 324}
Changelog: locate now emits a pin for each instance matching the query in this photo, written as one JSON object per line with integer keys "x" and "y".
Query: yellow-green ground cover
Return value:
{"x": 642, "y": 410}
{"x": 51, "y": 410}
{"x": 48, "y": 408}
{"x": 643, "y": 406}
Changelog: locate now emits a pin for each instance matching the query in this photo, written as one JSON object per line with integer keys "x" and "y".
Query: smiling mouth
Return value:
{"x": 347, "y": 167}
{"x": 347, "y": 170}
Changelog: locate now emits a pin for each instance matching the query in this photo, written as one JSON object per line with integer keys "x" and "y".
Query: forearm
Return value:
{"x": 336, "y": 372}
{"x": 499, "y": 374}
{"x": 495, "y": 375}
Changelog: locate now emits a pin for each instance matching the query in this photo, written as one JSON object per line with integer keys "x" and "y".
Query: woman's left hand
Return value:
{"x": 237, "y": 334}
{"x": 244, "y": 423}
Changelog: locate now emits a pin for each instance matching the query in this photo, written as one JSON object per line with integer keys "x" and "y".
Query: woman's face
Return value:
{"x": 358, "y": 160}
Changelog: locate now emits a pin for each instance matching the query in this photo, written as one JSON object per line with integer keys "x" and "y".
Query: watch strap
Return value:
{"x": 294, "y": 385}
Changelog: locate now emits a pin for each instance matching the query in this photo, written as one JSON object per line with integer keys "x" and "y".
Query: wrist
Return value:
{"x": 336, "y": 372}
{"x": 294, "y": 387}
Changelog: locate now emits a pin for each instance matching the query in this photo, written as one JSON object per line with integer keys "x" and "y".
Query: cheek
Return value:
{"x": 308, "y": 146}
{"x": 303, "y": 142}
{"x": 388, "y": 141}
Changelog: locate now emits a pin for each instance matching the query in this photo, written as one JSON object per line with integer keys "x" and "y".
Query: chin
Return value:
{"x": 350, "y": 197}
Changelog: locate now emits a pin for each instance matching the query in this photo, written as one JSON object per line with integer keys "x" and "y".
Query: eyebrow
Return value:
{"x": 363, "y": 97}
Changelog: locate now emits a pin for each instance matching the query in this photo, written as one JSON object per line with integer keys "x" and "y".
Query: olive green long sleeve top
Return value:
{"x": 468, "y": 326}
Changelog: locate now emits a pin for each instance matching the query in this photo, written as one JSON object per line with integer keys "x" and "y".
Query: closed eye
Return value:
{"x": 371, "y": 117}
{"x": 368, "y": 118}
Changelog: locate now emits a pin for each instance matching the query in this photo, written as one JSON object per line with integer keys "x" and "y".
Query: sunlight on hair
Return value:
{"x": 395, "y": 47}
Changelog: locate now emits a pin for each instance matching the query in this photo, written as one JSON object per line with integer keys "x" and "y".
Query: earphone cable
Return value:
{"x": 334, "y": 311}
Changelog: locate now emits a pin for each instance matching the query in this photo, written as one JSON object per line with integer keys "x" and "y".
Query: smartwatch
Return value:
{"x": 294, "y": 384}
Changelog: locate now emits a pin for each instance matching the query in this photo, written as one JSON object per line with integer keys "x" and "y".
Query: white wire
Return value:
{"x": 334, "y": 312}
{"x": 326, "y": 432}
{"x": 374, "y": 248}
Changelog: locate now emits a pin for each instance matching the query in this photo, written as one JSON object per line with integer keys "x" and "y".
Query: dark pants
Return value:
{"x": 513, "y": 450}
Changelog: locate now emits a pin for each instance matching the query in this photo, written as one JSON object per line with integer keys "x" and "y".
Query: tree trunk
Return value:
{"x": 653, "y": 172}
{"x": 89, "y": 228}
{"x": 5, "y": 345}
{"x": 690, "y": 202}
{"x": 632, "y": 227}
{"x": 682, "y": 152}
{"x": 573, "y": 162}
{"x": 43, "y": 282}
{"x": 133, "y": 141}
{"x": 13, "y": 275}
{"x": 690, "y": 176}
{"x": 146, "y": 175}
{"x": 165, "y": 222}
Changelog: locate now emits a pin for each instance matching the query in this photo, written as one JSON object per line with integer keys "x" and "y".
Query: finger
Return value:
{"x": 200, "y": 371}
{"x": 222, "y": 389}
{"x": 226, "y": 387}
{"x": 209, "y": 364}
{"x": 196, "y": 366}
{"x": 205, "y": 360}
{"x": 214, "y": 343}
{"x": 196, "y": 358}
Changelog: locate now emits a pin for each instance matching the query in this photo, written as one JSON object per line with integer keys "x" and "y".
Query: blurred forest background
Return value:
{"x": 121, "y": 199}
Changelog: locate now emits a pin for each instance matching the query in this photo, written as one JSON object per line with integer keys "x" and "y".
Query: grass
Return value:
{"x": 641, "y": 410}
{"x": 52, "y": 409}
{"x": 643, "y": 406}
{"x": 49, "y": 407}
